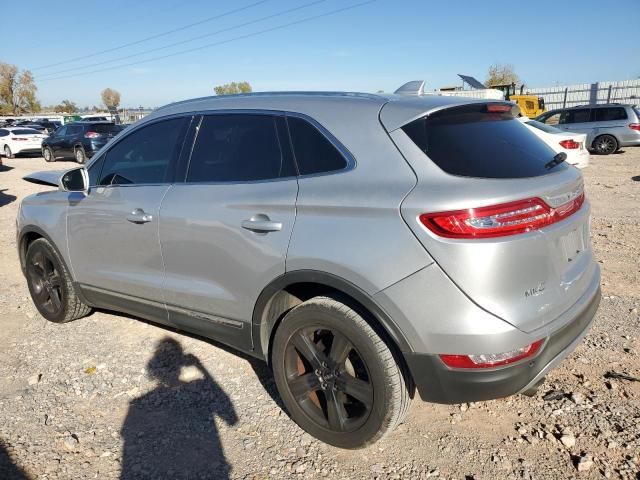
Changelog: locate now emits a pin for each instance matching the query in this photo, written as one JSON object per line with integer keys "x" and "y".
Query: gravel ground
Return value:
{"x": 110, "y": 396}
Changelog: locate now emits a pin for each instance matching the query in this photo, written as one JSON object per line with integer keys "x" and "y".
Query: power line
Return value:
{"x": 192, "y": 39}
{"x": 241, "y": 37}
{"x": 158, "y": 35}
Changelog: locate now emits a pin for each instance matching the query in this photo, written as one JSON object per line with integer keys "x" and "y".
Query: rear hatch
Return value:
{"x": 497, "y": 209}
{"x": 101, "y": 133}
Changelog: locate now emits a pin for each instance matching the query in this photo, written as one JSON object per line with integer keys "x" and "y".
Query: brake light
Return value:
{"x": 569, "y": 144}
{"x": 491, "y": 360}
{"x": 91, "y": 135}
{"x": 499, "y": 220}
{"x": 498, "y": 108}
{"x": 635, "y": 126}
{"x": 19, "y": 139}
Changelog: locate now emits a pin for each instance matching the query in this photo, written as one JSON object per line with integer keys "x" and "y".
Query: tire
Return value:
{"x": 80, "y": 156}
{"x": 50, "y": 284}
{"x": 47, "y": 153}
{"x": 605, "y": 144}
{"x": 349, "y": 394}
{"x": 7, "y": 152}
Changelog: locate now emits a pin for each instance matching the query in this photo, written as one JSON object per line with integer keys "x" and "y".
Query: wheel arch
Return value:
{"x": 601, "y": 134}
{"x": 293, "y": 288}
{"x": 28, "y": 235}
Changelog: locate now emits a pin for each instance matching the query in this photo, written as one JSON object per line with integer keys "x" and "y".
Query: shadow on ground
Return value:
{"x": 8, "y": 469}
{"x": 636, "y": 178}
{"x": 170, "y": 432}
{"x": 5, "y": 168}
{"x": 6, "y": 199}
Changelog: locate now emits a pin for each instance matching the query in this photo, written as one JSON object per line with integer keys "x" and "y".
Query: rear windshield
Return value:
{"x": 542, "y": 126}
{"x": 104, "y": 128}
{"x": 468, "y": 141}
{"x": 25, "y": 131}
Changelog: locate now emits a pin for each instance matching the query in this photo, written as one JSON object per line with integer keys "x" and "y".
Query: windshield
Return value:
{"x": 544, "y": 127}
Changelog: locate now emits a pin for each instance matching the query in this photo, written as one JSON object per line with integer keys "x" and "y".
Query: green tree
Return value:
{"x": 501, "y": 74}
{"x": 66, "y": 106}
{"x": 233, "y": 88}
{"x": 110, "y": 97}
{"x": 17, "y": 91}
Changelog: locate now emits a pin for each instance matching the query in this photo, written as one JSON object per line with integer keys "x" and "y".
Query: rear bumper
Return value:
{"x": 438, "y": 383}
{"x": 28, "y": 150}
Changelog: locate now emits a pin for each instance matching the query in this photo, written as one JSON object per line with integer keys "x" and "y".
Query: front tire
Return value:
{"x": 50, "y": 284}
{"x": 605, "y": 144}
{"x": 47, "y": 153}
{"x": 337, "y": 378}
{"x": 7, "y": 152}
{"x": 81, "y": 157}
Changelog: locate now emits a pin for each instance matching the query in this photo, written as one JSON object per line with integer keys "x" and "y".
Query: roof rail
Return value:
{"x": 414, "y": 87}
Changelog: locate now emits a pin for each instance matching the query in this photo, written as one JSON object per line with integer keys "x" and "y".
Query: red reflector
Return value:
{"x": 569, "y": 144}
{"x": 91, "y": 135}
{"x": 491, "y": 360}
{"x": 499, "y": 220}
{"x": 634, "y": 126}
{"x": 498, "y": 108}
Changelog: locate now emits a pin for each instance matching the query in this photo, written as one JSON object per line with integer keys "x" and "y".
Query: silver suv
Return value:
{"x": 608, "y": 127}
{"x": 365, "y": 246}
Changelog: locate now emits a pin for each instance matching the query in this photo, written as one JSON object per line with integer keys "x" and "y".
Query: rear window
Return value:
{"x": 105, "y": 128}
{"x": 470, "y": 142}
{"x": 543, "y": 127}
{"x": 25, "y": 131}
{"x": 610, "y": 113}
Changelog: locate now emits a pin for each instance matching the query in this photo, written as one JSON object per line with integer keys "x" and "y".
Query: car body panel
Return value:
{"x": 578, "y": 157}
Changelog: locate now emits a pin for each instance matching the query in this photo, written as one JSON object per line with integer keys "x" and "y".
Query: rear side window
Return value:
{"x": 25, "y": 131}
{"x": 579, "y": 115}
{"x": 237, "y": 148}
{"x": 74, "y": 129}
{"x": 313, "y": 151}
{"x": 610, "y": 113}
{"x": 470, "y": 142}
{"x": 144, "y": 156}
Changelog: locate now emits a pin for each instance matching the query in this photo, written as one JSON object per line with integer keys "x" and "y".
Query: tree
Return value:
{"x": 110, "y": 97}
{"x": 501, "y": 74}
{"x": 17, "y": 91}
{"x": 66, "y": 106}
{"x": 233, "y": 88}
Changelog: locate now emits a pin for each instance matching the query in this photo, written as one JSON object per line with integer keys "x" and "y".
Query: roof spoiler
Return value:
{"x": 414, "y": 87}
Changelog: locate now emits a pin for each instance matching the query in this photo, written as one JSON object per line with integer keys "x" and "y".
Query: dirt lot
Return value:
{"x": 109, "y": 396}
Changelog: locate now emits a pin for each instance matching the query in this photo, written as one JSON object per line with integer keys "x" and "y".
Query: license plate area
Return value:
{"x": 573, "y": 243}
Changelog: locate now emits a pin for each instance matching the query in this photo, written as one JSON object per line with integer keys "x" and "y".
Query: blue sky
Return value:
{"x": 377, "y": 46}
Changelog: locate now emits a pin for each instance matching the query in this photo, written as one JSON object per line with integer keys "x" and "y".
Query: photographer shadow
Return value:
{"x": 170, "y": 432}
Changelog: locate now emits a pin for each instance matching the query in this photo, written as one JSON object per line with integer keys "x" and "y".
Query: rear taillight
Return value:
{"x": 498, "y": 108}
{"x": 492, "y": 360}
{"x": 499, "y": 220}
{"x": 91, "y": 135}
{"x": 635, "y": 126}
{"x": 569, "y": 144}
{"x": 19, "y": 139}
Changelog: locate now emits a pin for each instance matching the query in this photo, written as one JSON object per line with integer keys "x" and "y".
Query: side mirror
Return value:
{"x": 76, "y": 180}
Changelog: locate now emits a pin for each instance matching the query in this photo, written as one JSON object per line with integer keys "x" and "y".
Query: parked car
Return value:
{"x": 363, "y": 245}
{"x": 79, "y": 140}
{"x": 49, "y": 126}
{"x": 95, "y": 119}
{"x": 608, "y": 126}
{"x": 573, "y": 144}
{"x": 19, "y": 140}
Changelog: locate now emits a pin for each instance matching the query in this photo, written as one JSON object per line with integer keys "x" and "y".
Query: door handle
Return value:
{"x": 139, "y": 216}
{"x": 261, "y": 223}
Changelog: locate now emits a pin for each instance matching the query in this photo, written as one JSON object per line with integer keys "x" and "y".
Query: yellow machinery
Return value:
{"x": 530, "y": 105}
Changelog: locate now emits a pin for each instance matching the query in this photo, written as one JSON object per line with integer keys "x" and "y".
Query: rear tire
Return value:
{"x": 337, "y": 378}
{"x": 50, "y": 284}
{"x": 81, "y": 157}
{"x": 605, "y": 144}
{"x": 7, "y": 152}
{"x": 47, "y": 153}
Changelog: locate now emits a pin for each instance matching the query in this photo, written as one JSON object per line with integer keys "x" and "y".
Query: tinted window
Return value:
{"x": 3, "y": 133}
{"x": 470, "y": 142}
{"x": 25, "y": 131}
{"x": 610, "y": 113}
{"x": 61, "y": 131}
{"x": 104, "y": 128}
{"x": 74, "y": 130}
{"x": 576, "y": 116}
{"x": 236, "y": 148}
{"x": 144, "y": 156}
{"x": 94, "y": 171}
{"x": 313, "y": 151}
{"x": 543, "y": 127}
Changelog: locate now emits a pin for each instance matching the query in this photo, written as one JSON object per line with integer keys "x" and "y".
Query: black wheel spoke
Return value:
{"x": 35, "y": 271}
{"x": 358, "y": 389}
{"x": 336, "y": 414}
{"x": 308, "y": 349}
{"x": 54, "y": 279}
{"x": 56, "y": 301}
{"x": 303, "y": 385}
{"x": 340, "y": 348}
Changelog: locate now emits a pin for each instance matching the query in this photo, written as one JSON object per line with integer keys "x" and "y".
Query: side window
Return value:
{"x": 94, "y": 171}
{"x": 144, "y": 155}
{"x": 74, "y": 130}
{"x": 237, "y": 148}
{"x": 610, "y": 113}
{"x": 313, "y": 151}
{"x": 553, "y": 119}
{"x": 580, "y": 115}
{"x": 61, "y": 131}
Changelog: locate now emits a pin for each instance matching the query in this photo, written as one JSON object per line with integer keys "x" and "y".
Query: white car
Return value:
{"x": 15, "y": 140}
{"x": 573, "y": 144}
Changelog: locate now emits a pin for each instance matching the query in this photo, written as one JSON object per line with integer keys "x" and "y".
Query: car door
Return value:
{"x": 113, "y": 230}
{"x": 577, "y": 120}
{"x": 74, "y": 133}
{"x": 225, "y": 230}
{"x": 56, "y": 141}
